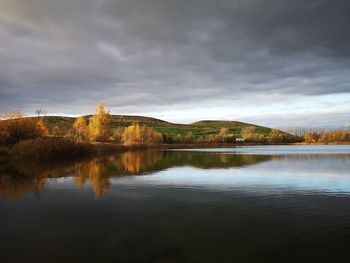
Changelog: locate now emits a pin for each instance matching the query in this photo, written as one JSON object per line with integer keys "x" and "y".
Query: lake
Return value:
{"x": 244, "y": 204}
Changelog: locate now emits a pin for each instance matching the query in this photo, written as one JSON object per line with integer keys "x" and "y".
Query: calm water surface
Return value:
{"x": 246, "y": 204}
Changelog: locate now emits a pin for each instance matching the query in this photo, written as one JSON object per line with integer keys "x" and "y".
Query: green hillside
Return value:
{"x": 59, "y": 125}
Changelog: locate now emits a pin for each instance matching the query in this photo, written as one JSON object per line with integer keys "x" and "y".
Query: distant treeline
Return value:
{"x": 321, "y": 136}
{"x": 248, "y": 135}
{"x": 337, "y": 136}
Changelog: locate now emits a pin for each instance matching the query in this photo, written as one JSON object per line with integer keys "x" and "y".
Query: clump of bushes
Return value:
{"x": 336, "y": 136}
{"x": 222, "y": 137}
{"x": 51, "y": 149}
{"x": 184, "y": 138}
{"x": 249, "y": 134}
{"x": 136, "y": 134}
{"x": 278, "y": 137}
{"x": 275, "y": 137}
{"x": 15, "y": 128}
{"x": 118, "y": 134}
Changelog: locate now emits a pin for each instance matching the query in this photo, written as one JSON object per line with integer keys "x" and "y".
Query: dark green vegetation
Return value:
{"x": 60, "y": 125}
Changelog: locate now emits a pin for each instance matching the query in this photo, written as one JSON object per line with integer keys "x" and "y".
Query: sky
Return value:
{"x": 278, "y": 63}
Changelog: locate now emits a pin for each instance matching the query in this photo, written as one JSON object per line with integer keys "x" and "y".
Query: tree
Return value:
{"x": 275, "y": 136}
{"x": 315, "y": 136}
{"x": 223, "y": 135}
{"x": 99, "y": 124}
{"x": 132, "y": 134}
{"x": 224, "y": 132}
{"x": 118, "y": 133}
{"x": 141, "y": 134}
{"x": 40, "y": 112}
{"x": 80, "y": 128}
{"x": 247, "y": 132}
{"x": 41, "y": 128}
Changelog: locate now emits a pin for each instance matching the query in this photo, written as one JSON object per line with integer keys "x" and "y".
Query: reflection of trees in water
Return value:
{"x": 140, "y": 161}
{"x": 19, "y": 178}
{"x": 14, "y": 187}
{"x": 97, "y": 172}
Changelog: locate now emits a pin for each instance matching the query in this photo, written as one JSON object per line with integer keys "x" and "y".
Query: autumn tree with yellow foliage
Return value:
{"x": 80, "y": 129}
{"x": 136, "y": 134}
{"x": 325, "y": 137}
{"x": 99, "y": 124}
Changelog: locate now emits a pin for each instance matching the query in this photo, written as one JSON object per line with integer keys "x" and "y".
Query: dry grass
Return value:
{"x": 52, "y": 149}
{"x": 13, "y": 131}
{"x": 5, "y": 153}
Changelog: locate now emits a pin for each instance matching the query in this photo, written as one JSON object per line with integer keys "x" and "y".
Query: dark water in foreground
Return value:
{"x": 254, "y": 204}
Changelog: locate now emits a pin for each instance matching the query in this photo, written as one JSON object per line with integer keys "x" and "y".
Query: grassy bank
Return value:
{"x": 58, "y": 149}
{"x": 51, "y": 149}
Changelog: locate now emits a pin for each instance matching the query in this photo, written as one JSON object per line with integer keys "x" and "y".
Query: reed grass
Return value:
{"x": 52, "y": 149}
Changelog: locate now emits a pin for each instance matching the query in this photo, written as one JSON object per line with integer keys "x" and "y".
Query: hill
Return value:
{"x": 60, "y": 125}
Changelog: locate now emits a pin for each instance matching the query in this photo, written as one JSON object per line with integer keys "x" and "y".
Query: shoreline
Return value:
{"x": 104, "y": 148}
{"x": 122, "y": 147}
{"x": 315, "y": 143}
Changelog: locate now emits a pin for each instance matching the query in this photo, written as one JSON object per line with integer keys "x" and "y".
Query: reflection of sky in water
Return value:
{"x": 279, "y": 149}
{"x": 324, "y": 175}
{"x": 288, "y": 168}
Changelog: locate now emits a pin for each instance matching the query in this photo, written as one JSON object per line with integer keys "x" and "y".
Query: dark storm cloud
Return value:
{"x": 67, "y": 54}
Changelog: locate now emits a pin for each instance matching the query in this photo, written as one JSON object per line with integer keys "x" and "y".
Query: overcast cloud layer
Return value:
{"x": 275, "y": 62}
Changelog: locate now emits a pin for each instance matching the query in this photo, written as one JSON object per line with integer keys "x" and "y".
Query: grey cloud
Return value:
{"x": 166, "y": 53}
{"x": 312, "y": 120}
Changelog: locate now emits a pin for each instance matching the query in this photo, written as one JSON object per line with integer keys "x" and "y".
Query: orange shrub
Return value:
{"x": 17, "y": 129}
{"x": 135, "y": 134}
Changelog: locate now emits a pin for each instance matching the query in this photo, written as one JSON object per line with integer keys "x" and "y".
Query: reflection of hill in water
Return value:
{"x": 19, "y": 178}
{"x": 208, "y": 160}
